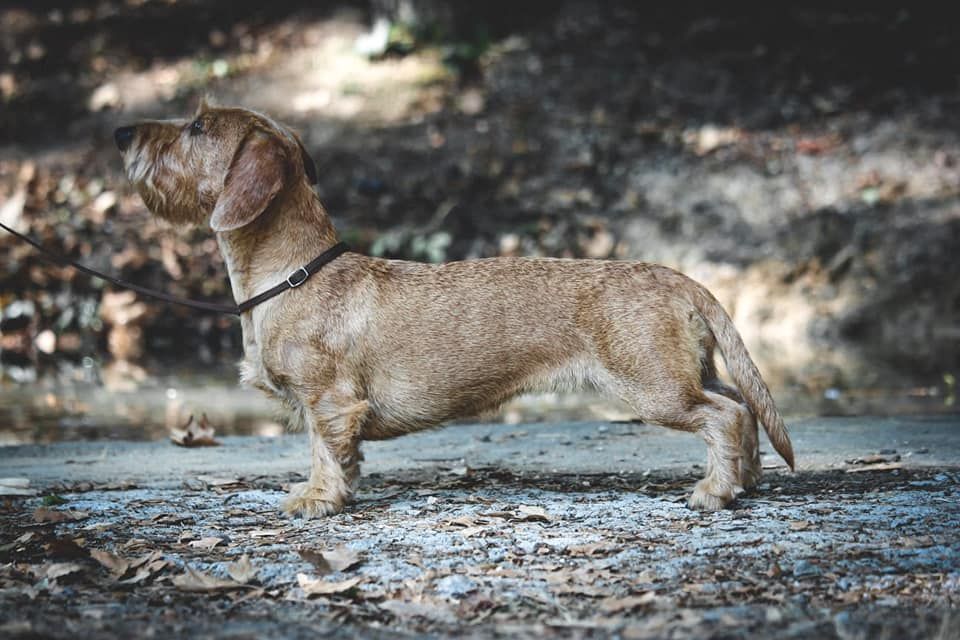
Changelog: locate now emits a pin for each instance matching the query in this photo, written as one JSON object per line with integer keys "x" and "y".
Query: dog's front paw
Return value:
{"x": 708, "y": 495}
{"x": 311, "y": 502}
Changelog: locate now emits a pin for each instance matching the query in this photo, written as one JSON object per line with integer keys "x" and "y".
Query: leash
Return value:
{"x": 294, "y": 280}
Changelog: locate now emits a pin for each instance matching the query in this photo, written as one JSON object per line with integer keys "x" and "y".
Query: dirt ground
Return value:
{"x": 479, "y": 531}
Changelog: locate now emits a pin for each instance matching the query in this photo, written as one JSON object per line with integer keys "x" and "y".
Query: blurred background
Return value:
{"x": 801, "y": 161}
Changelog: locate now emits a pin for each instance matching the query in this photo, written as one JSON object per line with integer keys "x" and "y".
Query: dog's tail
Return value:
{"x": 743, "y": 371}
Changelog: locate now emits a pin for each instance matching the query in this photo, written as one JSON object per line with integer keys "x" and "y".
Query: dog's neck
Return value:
{"x": 291, "y": 232}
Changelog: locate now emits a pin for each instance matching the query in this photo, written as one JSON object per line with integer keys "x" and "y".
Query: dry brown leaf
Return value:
{"x": 880, "y": 466}
{"x": 591, "y": 549}
{"x": 206, "y": 543}
{"x": 874, "y": 459}
{"x": 318, "y": 587}
{"x": 113, "y": 563}
{"x": 533, "y": 514}
{"x": 146, "y": 571}
{"x": 464, "y": 521}
{"x": 242, "y": 570}
{"x": 138, "y": 577}
{"x": 433, "y": 609}
{"x": 581, "y": 590}
{"x": 25, "y": 538}
{"x": 341, "y": 558}
{"x": 629, "y": 603}
{"x": 151, "y": 557}
{"x": 54, "y": 570}
{"x": 331, "y": 560}
{"x": 43, "y": 514}
{"x": 197, "y": 581}
{"x": 194, "y": 434}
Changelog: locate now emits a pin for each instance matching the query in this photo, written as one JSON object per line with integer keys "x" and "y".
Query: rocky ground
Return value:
{"x": 567, "y": 530}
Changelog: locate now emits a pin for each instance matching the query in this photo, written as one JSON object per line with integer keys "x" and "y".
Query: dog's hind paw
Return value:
{"x": 310, "y": 502}
{"x": 750, "y": 476}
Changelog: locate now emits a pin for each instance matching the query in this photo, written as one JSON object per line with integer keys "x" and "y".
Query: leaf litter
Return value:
{"x": 489, "y": 550}
{"x": 195, "y": 433}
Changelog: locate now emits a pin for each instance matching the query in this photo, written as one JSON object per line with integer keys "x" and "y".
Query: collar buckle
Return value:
{"x": 296, "y": 283}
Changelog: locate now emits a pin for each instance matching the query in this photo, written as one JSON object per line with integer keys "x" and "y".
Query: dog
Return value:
{"x": 371, "y": 348}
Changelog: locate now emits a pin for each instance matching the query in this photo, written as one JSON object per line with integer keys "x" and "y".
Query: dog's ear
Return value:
{"x": 309, "y": 166}
{"x": 257, "y": 174}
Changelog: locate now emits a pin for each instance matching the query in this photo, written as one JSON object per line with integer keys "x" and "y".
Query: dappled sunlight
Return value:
{"x": 320, "y": 76}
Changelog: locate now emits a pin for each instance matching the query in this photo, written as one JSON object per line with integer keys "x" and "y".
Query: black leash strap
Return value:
{"x": 295, "y": 279}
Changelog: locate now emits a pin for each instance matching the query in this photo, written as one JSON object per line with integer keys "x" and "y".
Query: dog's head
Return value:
{"x": 225, "y": 165}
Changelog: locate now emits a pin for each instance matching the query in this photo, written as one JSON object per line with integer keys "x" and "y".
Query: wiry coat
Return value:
{"x": 370, "y": 348}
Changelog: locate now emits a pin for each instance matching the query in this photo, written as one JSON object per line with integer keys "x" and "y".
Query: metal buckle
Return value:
{"x": 306, "y": 274}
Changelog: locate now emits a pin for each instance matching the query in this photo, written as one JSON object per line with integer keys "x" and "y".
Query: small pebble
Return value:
{"x": 804, "y": 569}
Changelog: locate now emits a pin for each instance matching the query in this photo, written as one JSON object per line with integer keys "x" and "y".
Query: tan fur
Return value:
{"x": 370, "y": 348}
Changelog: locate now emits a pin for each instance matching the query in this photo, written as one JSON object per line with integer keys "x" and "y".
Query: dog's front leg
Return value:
{"x": 334, "y": 462}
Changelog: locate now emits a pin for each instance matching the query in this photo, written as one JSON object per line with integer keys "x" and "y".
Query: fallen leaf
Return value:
{"x": 172, "y": 518}
{"x": 242, "y": 570}
{"x": 215, "y": 481}
{"x": 206, "y": 543}
{"x": 25, "y": 538}
{"x": 265, "y": 533}
{"x": 146, "y": 571}
{"x": 591, "y": 549}
{"x": 113, "y": 563}
{"x": 42, "y": 514}
{"x": 318, "y": 587}
{"x": 138, "y": 577}
{"x": 580, "y": 590}
{"x": 435, "y": 610}
{"x": 194, "y": 434}
{"x": 874, "y": 459}
{"x": 882, "y": 466}
{"x": 629, "y": 603}
{"x": 331, "y": 560}
{"x": 533, "y": 514}
{"x": 197, "y": 581}
{"x": 54, "y": 570}
{"x": 153, "y": 556}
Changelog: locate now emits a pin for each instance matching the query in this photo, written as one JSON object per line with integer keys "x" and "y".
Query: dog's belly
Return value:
{"x": 404, "y": 404}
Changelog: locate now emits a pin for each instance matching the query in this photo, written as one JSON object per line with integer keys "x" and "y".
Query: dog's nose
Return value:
{"x": 123, "y": 137}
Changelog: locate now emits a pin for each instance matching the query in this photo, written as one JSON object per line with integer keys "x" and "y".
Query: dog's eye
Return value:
{"x": 196, "y": 127}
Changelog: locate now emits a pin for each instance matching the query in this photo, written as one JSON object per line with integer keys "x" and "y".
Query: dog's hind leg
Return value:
{"x": 718, "y": 419}
{"x": 723, "y": 421}
{"x": 335, "y": 459}
{"x": 750, "y": 467}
